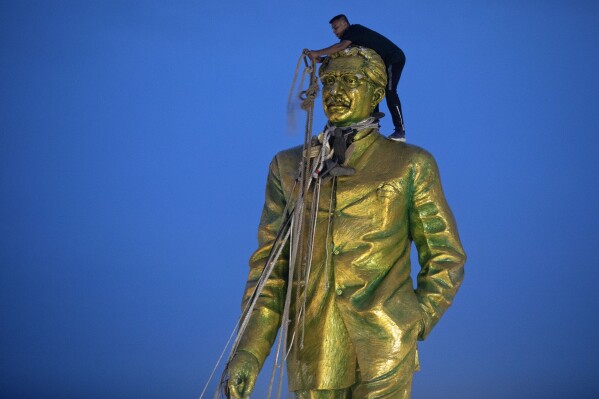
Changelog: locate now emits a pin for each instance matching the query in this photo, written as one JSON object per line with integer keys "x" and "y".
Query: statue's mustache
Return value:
{"x": 338, "y": 101}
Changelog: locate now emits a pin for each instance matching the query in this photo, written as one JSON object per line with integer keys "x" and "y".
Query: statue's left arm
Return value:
{"x": 259, "y": 335}
{"x": 266, "y": 316}
{"x": 435, "y": 234}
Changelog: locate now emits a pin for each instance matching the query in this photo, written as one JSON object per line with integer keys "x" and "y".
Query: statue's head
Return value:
{"x": 353, "y": 83}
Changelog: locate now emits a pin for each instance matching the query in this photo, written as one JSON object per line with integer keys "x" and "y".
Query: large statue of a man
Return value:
{"x": 356, "y": 324}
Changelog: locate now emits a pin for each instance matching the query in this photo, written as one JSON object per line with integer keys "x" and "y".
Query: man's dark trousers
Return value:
{"x": 393, "y": 75}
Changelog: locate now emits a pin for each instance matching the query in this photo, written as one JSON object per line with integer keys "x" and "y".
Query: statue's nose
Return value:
{"x": 335, "y": 88}
{"x": 338, "y": 97}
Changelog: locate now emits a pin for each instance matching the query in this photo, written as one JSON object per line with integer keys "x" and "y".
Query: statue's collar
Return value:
{"x": 350, "y": 142}
{"x": 356, "y": 131}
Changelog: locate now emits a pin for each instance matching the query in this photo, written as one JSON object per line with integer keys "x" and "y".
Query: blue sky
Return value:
{"x": 135, "y": 138}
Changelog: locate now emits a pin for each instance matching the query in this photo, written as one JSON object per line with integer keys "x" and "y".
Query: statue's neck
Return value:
{"x": 368, "y": 123}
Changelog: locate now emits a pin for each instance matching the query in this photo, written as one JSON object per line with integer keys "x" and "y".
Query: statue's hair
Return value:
{"x": 373, "y": 66}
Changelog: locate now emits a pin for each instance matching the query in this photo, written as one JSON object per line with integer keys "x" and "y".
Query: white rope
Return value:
{"x": 368, "y": 123}
{"x": 290, "y": 231}
{"x": 327, "y": 249}
{"x": 312, "y": 233}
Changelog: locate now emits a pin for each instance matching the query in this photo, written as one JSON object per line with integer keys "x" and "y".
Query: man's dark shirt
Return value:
{"x": 361, "y": 36}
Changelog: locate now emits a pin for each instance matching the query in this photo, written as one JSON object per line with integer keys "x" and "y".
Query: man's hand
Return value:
{"x": 313, "y": 55}
{"x": 243, "y": 371}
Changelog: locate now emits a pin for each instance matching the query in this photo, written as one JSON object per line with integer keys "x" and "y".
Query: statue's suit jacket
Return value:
{"x": 361, "y": 310}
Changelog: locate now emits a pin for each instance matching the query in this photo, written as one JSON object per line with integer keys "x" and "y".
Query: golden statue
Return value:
{"x": 342, "y": 285}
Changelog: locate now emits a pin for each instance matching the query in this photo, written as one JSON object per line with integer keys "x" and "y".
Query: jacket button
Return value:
{"x": 339, "y": 291}
{"x": 336, "y": 251}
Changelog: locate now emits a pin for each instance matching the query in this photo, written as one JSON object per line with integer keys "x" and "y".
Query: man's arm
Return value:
{"x": 335, "y": 48}
{"x": 435, "y": 234}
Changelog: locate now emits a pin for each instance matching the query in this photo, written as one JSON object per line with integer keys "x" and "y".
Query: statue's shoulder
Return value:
{"x": 286, "y": 162}
{"x": 410, "y": 152}
{"x": 293, "y": 154}
{"x": 289, "y": 157}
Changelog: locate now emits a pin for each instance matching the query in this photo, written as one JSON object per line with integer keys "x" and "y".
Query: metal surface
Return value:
{"x": 359, "y": 330}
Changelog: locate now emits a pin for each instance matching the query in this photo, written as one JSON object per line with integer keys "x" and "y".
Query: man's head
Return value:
{"x": 339, "y": 23}
{"x": 353, "y": 83}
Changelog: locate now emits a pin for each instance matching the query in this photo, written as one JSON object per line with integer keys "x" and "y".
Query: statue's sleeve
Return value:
{"x": 266, "y": 316}
{"x": 435, "y": 234}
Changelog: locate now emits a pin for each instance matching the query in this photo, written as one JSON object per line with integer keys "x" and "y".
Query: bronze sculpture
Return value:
{"x": 354, "y": 316}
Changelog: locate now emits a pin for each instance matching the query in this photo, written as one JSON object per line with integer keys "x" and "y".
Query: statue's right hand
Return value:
{"x": 243, "y": 371}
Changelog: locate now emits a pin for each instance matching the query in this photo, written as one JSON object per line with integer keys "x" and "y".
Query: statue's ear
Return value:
{"x": 377, "y": 96}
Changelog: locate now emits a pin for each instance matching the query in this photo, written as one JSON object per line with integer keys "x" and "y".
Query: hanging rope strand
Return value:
{"x": 306, "y": 179}
{"x": 290, "y": 232}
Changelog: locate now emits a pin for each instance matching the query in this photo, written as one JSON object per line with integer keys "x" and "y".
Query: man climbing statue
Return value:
{"x": 342, "y": 287}
{"x": 392, "y": 55}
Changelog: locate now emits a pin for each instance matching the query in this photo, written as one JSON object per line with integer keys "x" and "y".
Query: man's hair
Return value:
{"x": 341, "y": 17}
{"x": 373, "y": 66}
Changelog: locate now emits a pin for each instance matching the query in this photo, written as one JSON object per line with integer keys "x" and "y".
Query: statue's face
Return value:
{"x": 348, "y": 96}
